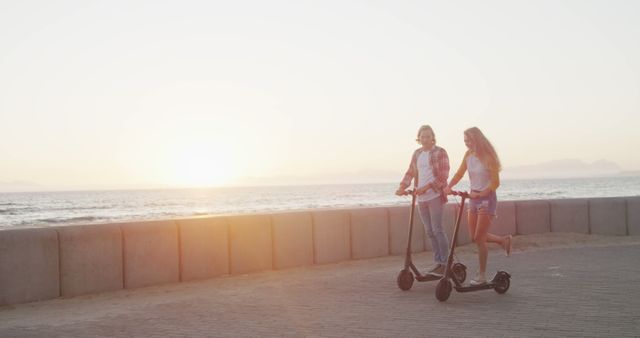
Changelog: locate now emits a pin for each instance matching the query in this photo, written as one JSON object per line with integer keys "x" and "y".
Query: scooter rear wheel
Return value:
{"x": 459, "y": 272}
{"x": 405, "y": 279}
{"x": 502, "y": 284}
{"x": 443, "y": 289}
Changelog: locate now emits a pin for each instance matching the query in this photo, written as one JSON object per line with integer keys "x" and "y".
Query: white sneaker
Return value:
{"x": 478, "y": 280}
{"x": 438, "y": 270}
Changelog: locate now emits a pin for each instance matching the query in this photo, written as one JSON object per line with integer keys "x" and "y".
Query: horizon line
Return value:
{"x": 134, "y": 187}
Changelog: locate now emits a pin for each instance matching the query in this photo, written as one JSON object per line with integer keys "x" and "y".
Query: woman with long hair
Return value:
{"x": 429, "y": 168}
{"x": 483, "y": 165}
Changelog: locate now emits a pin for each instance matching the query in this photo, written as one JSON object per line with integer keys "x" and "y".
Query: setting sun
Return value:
{"x": 201, "y": 165}
{"x": 199, "y": 169}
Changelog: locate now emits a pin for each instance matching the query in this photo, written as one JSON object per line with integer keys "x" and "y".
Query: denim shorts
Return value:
{"x": 486, "y": 205}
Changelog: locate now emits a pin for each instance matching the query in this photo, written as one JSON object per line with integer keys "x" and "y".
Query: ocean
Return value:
{"x": 26, "y": 209}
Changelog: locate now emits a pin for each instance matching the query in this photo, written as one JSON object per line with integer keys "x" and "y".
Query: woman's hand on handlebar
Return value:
{"x": 474, "y": 195}
{"x": 447, "y": 190}
{"x": 462, "y": 194}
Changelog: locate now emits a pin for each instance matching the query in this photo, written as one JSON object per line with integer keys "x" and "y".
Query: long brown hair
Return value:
{"x": 426, "y": 127}
{"x": 483, "y": 148}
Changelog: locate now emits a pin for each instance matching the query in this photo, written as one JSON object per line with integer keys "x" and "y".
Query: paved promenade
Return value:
{"x": 586, "y": 288}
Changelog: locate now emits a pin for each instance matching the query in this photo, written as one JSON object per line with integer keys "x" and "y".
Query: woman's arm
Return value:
{"x": 460, "y": 173}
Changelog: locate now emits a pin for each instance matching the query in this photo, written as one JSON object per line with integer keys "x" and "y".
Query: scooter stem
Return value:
{"x": 407, "y": 260}
{"x": 455, "y": 235}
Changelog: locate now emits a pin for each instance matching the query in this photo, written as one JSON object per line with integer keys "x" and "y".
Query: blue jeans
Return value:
{"x": 431, "y": 215}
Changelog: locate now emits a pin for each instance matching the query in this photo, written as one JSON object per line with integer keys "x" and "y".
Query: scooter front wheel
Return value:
{"x": 405, "y": 279}
{"x": 443, "y": 289}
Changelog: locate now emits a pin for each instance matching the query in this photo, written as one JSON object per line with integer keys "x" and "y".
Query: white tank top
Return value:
{"x": 479, "y": 175}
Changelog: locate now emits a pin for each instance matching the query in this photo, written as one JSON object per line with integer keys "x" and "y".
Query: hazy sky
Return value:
{"x": 115, "y": 93}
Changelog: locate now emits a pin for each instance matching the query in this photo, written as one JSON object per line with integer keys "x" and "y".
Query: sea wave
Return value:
{"x": 200, "y": 213}
{"x": 18, "y": 211}
{"x": 76, "y": 207}
{"x": 70, "y": 220}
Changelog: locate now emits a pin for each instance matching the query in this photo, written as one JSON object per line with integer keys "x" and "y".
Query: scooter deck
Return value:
{"x": 491, "y": 284}
{"x": 469, "y": 287}
{"x": 428, "y": 277}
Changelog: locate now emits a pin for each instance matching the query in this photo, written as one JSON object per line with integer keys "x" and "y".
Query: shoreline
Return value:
{"x": 195, "y": 215}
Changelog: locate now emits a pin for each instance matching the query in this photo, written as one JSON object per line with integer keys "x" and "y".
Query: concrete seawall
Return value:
{"x": 45, "y": 263}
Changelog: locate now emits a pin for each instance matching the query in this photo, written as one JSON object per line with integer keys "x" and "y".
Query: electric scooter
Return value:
{"x": 500, "y": 282}
{"x": 406, "y": 276}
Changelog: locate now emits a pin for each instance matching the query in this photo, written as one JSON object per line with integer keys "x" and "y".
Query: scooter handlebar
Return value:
{"x": 453, "y": 192}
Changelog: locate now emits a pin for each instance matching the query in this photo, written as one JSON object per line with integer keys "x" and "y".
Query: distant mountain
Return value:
{"x": 564, "y": 168}
{"x": 630, "y": 173}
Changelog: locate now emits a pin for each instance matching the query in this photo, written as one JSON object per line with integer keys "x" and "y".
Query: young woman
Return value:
{"x": 483, "y": 165}
{"x": 429, "y": 168}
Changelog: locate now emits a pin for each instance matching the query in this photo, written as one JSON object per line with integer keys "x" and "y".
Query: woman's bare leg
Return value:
{"x": 503, "y": 241}
{"x": 480, "y": 238}
{"x": 472, "y": 219}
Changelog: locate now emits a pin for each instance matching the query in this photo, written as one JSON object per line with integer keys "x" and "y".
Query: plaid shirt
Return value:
{"x": 439, "y": 161}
